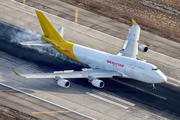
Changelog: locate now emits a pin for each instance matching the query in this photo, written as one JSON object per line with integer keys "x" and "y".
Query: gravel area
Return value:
{"x": 7, "y": 113}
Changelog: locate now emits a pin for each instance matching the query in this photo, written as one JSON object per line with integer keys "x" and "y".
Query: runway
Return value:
{"x": 120, "y": 99}
{"x": 31, "y": 105}
{"x": 124, "y": 94}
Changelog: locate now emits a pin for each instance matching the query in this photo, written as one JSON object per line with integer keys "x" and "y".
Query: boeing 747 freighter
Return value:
{"x": 103, "y": 65}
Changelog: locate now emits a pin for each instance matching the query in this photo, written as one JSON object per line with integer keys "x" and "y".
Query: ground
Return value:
{"x": 157, "y": 16}
{"x": 7, "y": 113}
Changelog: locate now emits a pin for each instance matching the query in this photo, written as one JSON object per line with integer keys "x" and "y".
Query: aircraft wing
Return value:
{"x": 74, "y": 74}
{"x": 130, "y": 45}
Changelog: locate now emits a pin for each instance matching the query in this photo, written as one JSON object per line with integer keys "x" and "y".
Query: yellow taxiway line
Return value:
{"x": 50, "y": 112}
{"x": 7, "y": 90}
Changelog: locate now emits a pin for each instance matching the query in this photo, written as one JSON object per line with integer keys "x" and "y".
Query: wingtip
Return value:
{"x": 16, "y": 73}
{"x": 133, "y": 22}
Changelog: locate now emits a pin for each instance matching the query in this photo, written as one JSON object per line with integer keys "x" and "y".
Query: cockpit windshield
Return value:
{"x": 155, "y": 69}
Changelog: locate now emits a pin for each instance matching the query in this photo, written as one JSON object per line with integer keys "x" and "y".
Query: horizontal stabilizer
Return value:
{"x": 37, "y": 43}
{"x": 60, "y": 30}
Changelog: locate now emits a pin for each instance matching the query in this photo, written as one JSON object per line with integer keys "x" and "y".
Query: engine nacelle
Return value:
{"x": 142, "y": 48}
{"x": 96, "y": 82}
{"x": 62, "y": 82}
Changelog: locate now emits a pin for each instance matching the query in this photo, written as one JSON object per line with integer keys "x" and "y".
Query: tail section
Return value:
{"x": 49, "y": 32}
{"x": 53, "y": 37}
{"x": 133, "y": 22}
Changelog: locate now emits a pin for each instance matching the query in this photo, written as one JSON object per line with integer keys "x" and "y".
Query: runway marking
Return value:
{"x": 7, "y": 90}
{"x": 50, "y": 112}
{"x": 172, "y": 83}
{"x": 115, "y": 98}
{"x": 106, "y": 100}
{"x": 173, "y": 79}
{"x": 47, "y": 101}
{"x": 141, "y": 89}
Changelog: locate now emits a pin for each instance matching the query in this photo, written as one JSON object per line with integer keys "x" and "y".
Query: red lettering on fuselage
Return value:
{"x": 67, "y": 51}
{"x": 115, "y": 64}
{"x": 108, "y": 61}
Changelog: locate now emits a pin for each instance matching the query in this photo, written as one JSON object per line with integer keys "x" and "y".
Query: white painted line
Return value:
{"x": 84, "y": 27}
{"x": 46, "y": 101}
{"x": 106, "y": 100}
{"x": 173, "y": 79}
{"x": 172, "y": 84}
{"x": 142, "y": 90}
{"x": 115, "y": 98}
{"x": 165, "y": 55}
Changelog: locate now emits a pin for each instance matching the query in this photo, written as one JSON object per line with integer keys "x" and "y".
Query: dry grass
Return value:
{"x": 156, "y": 20}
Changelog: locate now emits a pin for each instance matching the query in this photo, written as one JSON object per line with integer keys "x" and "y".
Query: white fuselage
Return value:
{"x": 129, "y": 67}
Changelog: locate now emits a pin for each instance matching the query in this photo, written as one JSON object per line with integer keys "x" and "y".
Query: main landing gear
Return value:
{"x": 153, "y": 87}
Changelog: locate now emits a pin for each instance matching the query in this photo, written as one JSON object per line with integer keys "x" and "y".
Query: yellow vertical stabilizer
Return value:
{"x": 48, "y": 29}
{"x": 133, "y": 22}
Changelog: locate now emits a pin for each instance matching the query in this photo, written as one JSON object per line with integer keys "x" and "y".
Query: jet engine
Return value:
{"x": 142, "y": 48}
{"x": 96, "y": 82}
{"x": 62, "y": 82}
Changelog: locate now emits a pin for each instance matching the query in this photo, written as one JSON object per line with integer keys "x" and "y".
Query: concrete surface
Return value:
{"x": 106, "y": 25}
{"x": 34, "y": 106}
{"x": 160, "y": 104}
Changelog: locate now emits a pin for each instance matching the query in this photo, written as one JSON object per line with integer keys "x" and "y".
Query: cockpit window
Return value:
{"x": 155, "y": 69}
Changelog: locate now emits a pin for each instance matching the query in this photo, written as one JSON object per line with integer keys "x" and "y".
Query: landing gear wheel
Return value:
{"x": 153, "y": 87}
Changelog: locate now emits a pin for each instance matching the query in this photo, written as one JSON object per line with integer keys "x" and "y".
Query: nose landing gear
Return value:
{"x": 153, "y": 87}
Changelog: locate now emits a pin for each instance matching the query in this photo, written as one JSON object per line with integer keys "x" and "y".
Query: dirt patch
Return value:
{"x": 7, "y": 113}
{"x": 160, "y": 17}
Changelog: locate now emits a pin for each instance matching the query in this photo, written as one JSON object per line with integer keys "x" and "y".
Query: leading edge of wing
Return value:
{"x": 74, "y": 74}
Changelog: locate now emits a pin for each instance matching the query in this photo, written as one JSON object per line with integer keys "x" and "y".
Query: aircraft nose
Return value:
{"x": 162, "y": 77}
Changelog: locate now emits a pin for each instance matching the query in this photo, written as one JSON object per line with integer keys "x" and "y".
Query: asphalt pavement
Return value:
{"x": 120, "y": 99}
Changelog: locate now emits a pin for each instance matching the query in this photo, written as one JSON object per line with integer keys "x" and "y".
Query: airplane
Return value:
{"x": 125, "y": 64}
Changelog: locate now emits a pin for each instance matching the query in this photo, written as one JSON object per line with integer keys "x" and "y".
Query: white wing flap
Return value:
{"x": 74, "y": 74}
